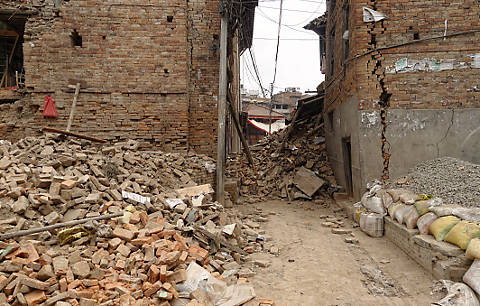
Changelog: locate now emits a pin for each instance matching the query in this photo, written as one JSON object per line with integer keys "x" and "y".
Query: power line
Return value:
{"x": 276, "y": 65}
{"x": 291, "y": 39}
{"x": 255, "y": 67}
{"x": 297, "y": 30}
{"x": 255, "y": 80}
{"x": 308, "y": 18}
{"x": 278, "y": 41}
{"x": 292, "y": 10}
{"x": 265, "y": 1}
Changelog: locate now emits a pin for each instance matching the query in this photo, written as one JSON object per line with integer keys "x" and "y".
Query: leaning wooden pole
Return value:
{"x": 74, "y": 104}
{"x": 246, "y": 149}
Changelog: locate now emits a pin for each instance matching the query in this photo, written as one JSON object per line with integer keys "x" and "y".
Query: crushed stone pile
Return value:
{"x": 168, "y": 244}
{"x": 455, "y": 181}
{"x": 296, "y": 168}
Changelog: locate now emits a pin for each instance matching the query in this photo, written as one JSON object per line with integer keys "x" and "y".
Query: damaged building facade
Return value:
{"x": 147, "y": 71}
{"x": 402, "y": 85}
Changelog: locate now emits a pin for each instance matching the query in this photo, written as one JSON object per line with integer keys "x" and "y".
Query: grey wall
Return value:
{"x": 345, "y": 124}
{"x": 416, "y": 136}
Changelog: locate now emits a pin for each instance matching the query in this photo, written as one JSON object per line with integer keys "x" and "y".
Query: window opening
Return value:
{"x": 12, "y": 73}
{"x": 76, "y": 38}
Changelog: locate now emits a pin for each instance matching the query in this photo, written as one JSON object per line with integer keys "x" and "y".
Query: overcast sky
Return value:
{"x": 298, "y": 59}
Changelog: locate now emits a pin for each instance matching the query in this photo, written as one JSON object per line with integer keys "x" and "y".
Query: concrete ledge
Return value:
{"x": 442, "y": 259}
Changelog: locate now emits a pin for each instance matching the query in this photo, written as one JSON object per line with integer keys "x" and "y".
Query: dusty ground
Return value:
{"x": 316, "y": 267}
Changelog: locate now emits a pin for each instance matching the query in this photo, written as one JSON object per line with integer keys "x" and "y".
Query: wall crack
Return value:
{"x": 446, "y": 133}
{"x": 378, "y": 74}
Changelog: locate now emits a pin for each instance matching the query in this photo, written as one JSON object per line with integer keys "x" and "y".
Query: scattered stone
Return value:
{"x": 341, "y": 231}
{"x": 351, "y": 240}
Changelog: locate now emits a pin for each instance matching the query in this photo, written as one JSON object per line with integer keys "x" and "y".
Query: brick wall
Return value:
{"x": 203, "y": 48}
{"x": 148, "y": 71}
{"x": 440, "y": 73}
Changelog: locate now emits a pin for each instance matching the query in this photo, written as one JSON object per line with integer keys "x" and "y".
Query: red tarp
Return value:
{"x": 49, "y": 108}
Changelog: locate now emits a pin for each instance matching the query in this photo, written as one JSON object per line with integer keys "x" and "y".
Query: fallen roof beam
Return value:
{"x": 52, "y": 130}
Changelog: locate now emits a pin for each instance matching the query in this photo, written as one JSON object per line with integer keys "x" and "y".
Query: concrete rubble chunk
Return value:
{"x": 60, "y": 265}
{"x": 20, "y": 206}
{"x": 81, "y": 269}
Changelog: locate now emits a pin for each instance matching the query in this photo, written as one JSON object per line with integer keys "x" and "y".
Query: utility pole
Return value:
{"x": 222, "y": 102}
{"x": 271, "y": 108}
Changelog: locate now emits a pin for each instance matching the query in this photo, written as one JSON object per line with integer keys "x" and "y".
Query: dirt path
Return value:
{"x": 317, "y": 267}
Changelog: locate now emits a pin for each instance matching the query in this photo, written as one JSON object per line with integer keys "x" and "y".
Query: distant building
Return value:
{"x": 260, "y": 112}
{"x": 286, "y": 102}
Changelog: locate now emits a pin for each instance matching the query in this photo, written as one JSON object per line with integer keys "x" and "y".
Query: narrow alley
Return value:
{"x": 239, "y": 153}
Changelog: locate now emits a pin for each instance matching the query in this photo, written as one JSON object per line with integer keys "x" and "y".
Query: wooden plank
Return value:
{"x": 53, "y": 130}
{"x": 194, "y": 191}
{"x": 219, "y": 240}
{"x": 8, "y": 33}
{"x": 74, "y": 103}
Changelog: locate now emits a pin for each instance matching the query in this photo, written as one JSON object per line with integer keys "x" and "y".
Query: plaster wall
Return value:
{"x": 417, "y": 135}
{"x": 345, "y": 124}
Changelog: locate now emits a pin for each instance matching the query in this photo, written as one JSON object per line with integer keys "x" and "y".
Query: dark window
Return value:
{"x": 331, "y": 53}
{"x": 333, "y": 4}
{"x": 11, "y": 51}
{"x": 76, "y": 39}
{"x": 330, "y": 120}
{"x": 346, "y": 32}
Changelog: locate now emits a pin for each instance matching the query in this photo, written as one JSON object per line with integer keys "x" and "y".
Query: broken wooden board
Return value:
{"x": 52, "y": 130}
{"x": 219, "y": 240}
{"x": 194, "y": 191}
{"x": 307, "y": 181}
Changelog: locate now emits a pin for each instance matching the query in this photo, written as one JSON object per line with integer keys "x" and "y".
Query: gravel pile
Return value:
{"x": 454, "y": 180}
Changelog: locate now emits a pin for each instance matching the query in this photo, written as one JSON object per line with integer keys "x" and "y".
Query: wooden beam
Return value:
{"x": 53, "y": 130}
{"x": 236, "y": 123}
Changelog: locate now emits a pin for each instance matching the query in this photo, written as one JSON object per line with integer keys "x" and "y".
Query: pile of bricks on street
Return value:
{"x": 291, "y": 164}
{"x": 443, "y": 238}
{"x": 170, "y": 245}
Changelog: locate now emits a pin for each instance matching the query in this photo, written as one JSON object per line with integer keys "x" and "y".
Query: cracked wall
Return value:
{"x": 437, "y": 79}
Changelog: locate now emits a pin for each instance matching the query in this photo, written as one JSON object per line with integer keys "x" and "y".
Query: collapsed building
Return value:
{"x": 146, "y": 71}
{"x": 401, "y": 85}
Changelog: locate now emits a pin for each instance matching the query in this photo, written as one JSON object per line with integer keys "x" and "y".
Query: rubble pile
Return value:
{"x": 163, "y": 241}
{"x": 293, "y": 168}
{"x": 454, "y": 180}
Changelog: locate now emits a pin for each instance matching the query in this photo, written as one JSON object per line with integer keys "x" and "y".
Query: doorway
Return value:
{"x": 347, "y": 164}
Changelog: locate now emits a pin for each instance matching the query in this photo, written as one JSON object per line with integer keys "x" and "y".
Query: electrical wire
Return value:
{"x": 278, "y": 42}
{"x": 266, "y": 1}
{"x": 292, "y": 28}
{"x": 292, "y": 10}
{"x": 255, "y": 80}
{"x": 290, "y": 39}
{"x": 257, "y": 73}
{"x": 303, "y": 21}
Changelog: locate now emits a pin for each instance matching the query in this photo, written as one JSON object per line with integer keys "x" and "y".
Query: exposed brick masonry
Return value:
{"x": 148, "y": 71}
